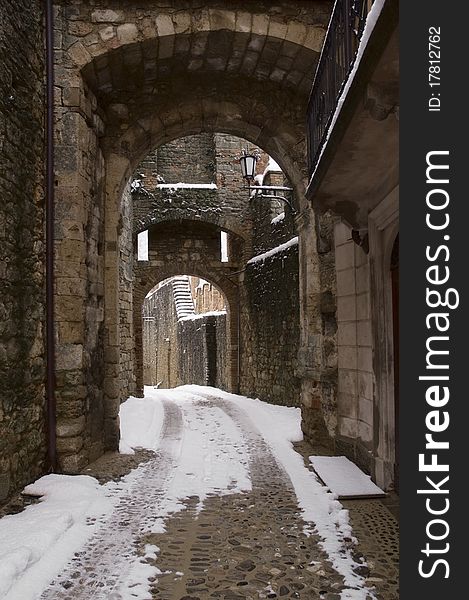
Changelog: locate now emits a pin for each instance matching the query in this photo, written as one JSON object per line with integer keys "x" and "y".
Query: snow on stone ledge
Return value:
{"x": 274, "y": 251}
{"x": 213, "y": 313}
{"x": 188, "y": 186}
{"x": 278, "y": 218}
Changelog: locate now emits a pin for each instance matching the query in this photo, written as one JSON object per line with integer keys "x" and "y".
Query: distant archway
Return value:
{"x": 186, "y": 334}
{"x": 178, "y": 240}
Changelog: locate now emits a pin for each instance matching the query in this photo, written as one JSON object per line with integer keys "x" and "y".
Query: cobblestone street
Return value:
{"x": 250, "y": 545}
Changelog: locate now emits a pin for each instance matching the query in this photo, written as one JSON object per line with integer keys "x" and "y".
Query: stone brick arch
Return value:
{"x": 187, "y": 248}
{"x": 95, "y": 31}
{"x": 151, "y": 275}
{"x": 214, "y": 218}
{"x": 130, "y": 77}
{"x": 243, "y": 115}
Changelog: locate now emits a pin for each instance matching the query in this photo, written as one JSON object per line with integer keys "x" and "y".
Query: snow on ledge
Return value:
{"x": 274, "y": 251}
{"x": 278, "y": 218}
{"x": 188, "y": 186}
{"x": 213, "y": 313}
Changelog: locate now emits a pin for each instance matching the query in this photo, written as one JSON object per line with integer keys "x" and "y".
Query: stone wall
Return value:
{"x": 160, "y": 329}
{"x": 189, "y": 159}
{"x": 22, "y": 299}
{"x": 270, "y": 329}
{"x": 80, "y": 276}
{"x": 202, "y": 343}
{"x": 355, "y": 368}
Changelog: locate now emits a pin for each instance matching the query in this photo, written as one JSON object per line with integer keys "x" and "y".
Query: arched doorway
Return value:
{"x": 185, "y": 334}
{"x": 134, "y": 93}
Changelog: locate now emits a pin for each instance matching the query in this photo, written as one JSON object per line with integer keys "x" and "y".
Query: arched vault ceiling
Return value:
{"x": 152, "y": 67}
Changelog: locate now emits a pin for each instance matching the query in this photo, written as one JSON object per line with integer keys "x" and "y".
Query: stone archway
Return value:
{"x": 135, "y": 79}
{"x": 184, "y": 254}
{"x": 230, "y": 292}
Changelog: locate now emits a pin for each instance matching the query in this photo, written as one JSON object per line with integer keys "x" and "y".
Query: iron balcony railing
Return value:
{"x": 335, "y": 64}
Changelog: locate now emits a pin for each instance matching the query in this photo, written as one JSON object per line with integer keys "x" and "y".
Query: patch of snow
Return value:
{"x": 188, "y": 186}
{"x": 38, "y": 542}
{"x": 274, "y": 251}
{"x": 280, "y": 426}
{"x": 258, "y": 179}
{"x": 343, "y": 477}
{"x": 273, "y": 166}
{"x": 278, "y": 219}
{"x": 371, "y": 21}
{"x": 141, "y": 420}
{"x": 212, "y": 313}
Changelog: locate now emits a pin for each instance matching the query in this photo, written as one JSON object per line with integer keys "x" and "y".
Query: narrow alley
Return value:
{"x": 199, "y": 305}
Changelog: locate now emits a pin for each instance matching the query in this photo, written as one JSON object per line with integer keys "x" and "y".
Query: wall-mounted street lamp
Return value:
{"x": 248, "y": 161}
{"x": 248, "y": 165}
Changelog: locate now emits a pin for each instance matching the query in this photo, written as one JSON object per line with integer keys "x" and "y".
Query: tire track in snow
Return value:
{"x": 100, "y": 569}
{"x": 267, "y": 470}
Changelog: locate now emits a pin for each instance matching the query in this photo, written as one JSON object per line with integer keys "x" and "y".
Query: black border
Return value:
{"x": 422, "y": 131}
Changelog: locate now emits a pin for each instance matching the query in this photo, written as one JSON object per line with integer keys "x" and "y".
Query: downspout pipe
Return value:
{"x": 50, "y": 212}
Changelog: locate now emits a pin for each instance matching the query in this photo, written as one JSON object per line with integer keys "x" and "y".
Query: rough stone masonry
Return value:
{"x": 22, "y": 419}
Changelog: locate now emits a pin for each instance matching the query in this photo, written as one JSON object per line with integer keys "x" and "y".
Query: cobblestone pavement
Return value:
{"x": 238, "y": 546}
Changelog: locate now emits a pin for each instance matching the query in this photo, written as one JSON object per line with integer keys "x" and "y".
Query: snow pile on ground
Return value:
{"x": 140, "y": 423}
{"x": 39, "y": 541}
{"x": 201, "y": 452}
{"x": 214, "y": 458}
{"x": 343, "y": 477}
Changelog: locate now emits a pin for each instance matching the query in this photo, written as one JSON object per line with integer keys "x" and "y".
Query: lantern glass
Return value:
{"x": 248, "y": 166}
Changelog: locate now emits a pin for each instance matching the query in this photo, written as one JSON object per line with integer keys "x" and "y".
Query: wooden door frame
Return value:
{"x": 383, "y": 228}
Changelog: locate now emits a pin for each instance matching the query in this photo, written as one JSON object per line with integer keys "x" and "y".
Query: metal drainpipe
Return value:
{"x": 50, "y": 332}
{"x": 239, "y": 344}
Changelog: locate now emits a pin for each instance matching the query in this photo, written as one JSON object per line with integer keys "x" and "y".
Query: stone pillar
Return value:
{"x": 73, "y": 198}
{"x": 116, "y": 169}
{"x": 311, "y": 367}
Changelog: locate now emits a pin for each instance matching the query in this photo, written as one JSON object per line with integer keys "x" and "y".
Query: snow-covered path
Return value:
{"x": 225, "y": 509}
{"x": 105, "y": 564}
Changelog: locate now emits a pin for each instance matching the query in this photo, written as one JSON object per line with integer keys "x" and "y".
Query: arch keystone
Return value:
{"x": 221, "y": 19}
{"x": 107, "y": 16}
{"x": 164, "y": 25}
{"x": 243, "y": 22}
{"x": 127, "y": 33}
